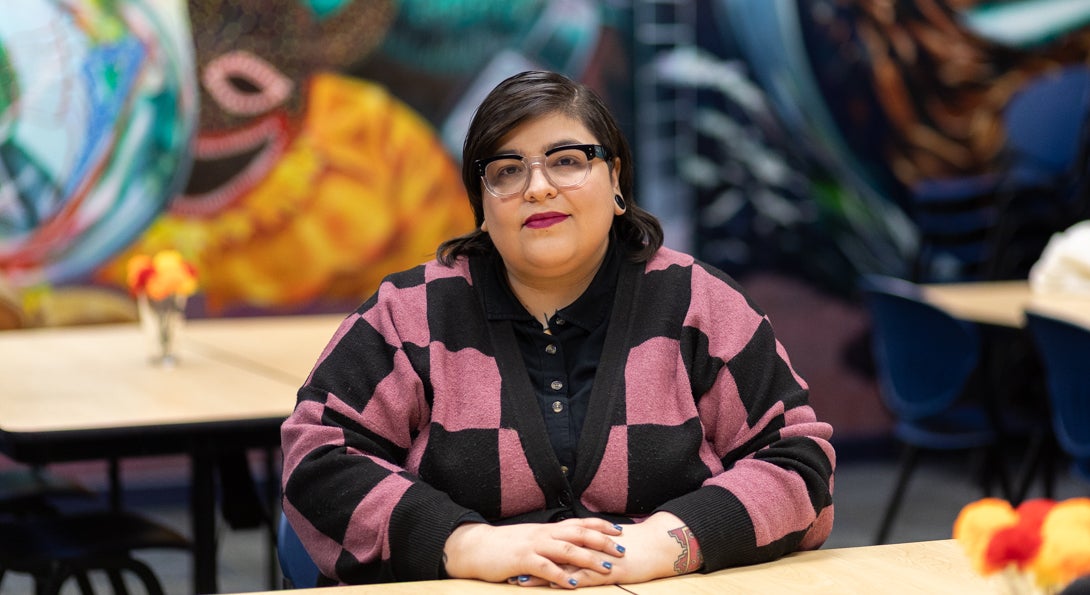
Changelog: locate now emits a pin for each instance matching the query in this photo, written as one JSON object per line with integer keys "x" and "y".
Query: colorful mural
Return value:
{"x": 98, "y": 103}
{"x": 298, "y": 150}
{"x": 933, "y": 139}
{"x": 324, "y": 152}
{"x": 308, "y": 184}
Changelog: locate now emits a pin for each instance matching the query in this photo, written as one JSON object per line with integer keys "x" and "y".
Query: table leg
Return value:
{"x": 202, "y": 504}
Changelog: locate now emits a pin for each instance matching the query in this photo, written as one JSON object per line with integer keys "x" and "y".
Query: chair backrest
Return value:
{"x": 925, "y": 358}
{"x": 955, "y": 218}
{"x": 298, "y": 568}
{"x": 1065, "y": 352}
{"x": 1045, "y": 121}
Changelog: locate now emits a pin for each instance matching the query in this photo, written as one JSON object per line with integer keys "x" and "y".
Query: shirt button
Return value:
{"x": 556, "y": 385}
{"x": 564, "y": 469}
{"x": 557, "y": 406}
{"x": 550, "y": 349}
{"x": 559, "y": 322}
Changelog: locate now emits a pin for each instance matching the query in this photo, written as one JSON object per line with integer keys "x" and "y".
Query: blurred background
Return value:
{"x": 298, "y": 150}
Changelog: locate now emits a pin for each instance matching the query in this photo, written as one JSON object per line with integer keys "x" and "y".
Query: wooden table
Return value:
{"x": 444, "y": 587}
{"x": 923, "y": 567}
{"x": 84, "y": 393}
{"x": 1004, "y": 303}
{"x": 284, "y": 347}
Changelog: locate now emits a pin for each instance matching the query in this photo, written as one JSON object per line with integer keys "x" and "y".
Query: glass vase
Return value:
{"x": 162, "y": 321}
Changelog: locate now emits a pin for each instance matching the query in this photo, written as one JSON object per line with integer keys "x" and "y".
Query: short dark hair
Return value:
{"x": 529, "y": 95}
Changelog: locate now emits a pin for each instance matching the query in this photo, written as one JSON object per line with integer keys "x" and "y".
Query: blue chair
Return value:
{"x": 299, "y": 569}
{"x": 994, "y": 225}
{"x": 57, "y": 549}
{"x": 1064, "y": 348}
{"x": 32, "y": 490}
{"x": 1046, "y": 126}
{"x": 955, "y": 222}
{"x": 929, "y": 378}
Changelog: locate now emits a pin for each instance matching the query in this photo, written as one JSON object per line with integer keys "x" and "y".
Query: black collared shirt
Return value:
{"x": 563, "y": 362}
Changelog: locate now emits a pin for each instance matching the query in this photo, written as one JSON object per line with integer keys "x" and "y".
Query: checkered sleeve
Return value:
{"x": 360, "y": 513}
{"x": 771, "y": 463}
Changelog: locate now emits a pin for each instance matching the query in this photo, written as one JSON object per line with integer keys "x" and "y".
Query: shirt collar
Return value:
{"x": 588, "y": 311}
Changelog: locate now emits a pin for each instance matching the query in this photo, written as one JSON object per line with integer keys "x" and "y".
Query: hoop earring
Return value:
{"x": 617, "y": 198}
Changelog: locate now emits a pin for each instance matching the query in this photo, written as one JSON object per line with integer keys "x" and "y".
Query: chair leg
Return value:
{"x": 117, "y": 581}
{"x": 141, "y": 570}
{"x": 908, "y": 463}
{"x": 1048, "y": 470}
{"x": 995, "y": 471}
{"x": 51, "y": 582}
{"x": 84, "y": 582}
{"x": 1040, "y": 460}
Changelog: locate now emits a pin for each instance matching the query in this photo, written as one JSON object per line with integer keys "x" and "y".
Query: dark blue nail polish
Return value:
{"x": 523, "y": 578}
{"x": 618, "y": 527}
{"x": 620, "y": 548}
{"x": 607, "y": 564}
{"x": 573, "y": 582}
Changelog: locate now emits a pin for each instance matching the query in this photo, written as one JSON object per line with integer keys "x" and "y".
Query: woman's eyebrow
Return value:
{"x": 549, "y": 147}
{"x": 563, "y": 142}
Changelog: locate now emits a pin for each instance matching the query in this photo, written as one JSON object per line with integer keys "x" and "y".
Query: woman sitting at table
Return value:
{"x": 556, "y": 398}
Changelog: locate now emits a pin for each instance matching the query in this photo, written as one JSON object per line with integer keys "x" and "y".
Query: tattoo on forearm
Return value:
{"x": 690, "y": 559}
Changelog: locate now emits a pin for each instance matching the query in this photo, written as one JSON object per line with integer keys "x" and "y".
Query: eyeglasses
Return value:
{"x": 565, "y": 167}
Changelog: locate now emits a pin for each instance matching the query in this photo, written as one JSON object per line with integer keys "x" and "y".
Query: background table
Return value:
{"x": 284, "y": 347}
{"x": 1004, "y": 303}
{"x": 84, "y": 393}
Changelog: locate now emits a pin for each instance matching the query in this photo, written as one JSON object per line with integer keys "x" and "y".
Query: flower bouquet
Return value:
{"x": 1039, "y": 547}
{"x": 162, "y": 284}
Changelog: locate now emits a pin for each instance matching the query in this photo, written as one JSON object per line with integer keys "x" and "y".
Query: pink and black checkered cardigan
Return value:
{"x": 419, "y": 414}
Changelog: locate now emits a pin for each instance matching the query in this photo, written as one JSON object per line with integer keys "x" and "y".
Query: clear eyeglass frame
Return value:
{"x": 490, "y": 168}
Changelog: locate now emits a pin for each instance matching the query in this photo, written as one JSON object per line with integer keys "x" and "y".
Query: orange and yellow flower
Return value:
{"x": 1047, "y": 540}
{"x": 162, "y": 275}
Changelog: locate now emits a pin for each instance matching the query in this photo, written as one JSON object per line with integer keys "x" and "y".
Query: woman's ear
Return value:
{"x": 615, "y": 174}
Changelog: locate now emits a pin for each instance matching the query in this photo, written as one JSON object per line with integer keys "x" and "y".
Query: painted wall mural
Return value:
{"x": 933, "y": 139}
{"x": 98, "y": 104}
{"x": 323, "y": 154}
{"x": 308, "y": 184}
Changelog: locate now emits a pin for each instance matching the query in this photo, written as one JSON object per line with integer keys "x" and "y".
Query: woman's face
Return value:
{"x": 546, "y": 232}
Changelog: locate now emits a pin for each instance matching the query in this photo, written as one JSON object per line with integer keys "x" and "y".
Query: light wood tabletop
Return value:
{"x": 285, "y": 347}
{"x": 96, "y": 377}
{"x": 921, "y": 567}
{"x": 1004, "y": 303}
{"x": 444, "y": 587}
{"x": 84, "y": 393}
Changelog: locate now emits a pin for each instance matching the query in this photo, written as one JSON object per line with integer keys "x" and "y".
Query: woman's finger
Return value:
{"x": 591, "y": 539}
{"x": 563, "y": 552}
{"x": 597, "y": 524}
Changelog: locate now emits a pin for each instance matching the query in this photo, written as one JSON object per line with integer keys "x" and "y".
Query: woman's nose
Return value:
{"x": 538, "y": 186}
